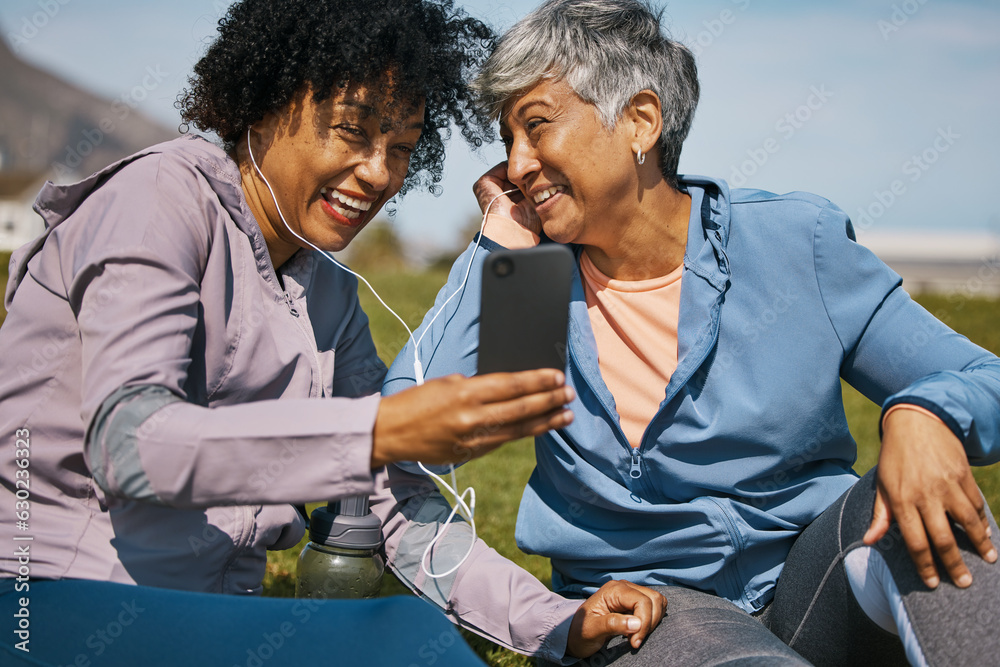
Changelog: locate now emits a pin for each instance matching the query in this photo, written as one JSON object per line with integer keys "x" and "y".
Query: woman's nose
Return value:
{"x": 374, "y": 170}
{"x": 522, "y": 161}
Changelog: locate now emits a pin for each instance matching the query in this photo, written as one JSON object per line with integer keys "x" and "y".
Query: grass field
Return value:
{"x": 498, "y": 495}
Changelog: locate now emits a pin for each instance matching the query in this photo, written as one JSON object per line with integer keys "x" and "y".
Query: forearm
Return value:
{"x": 907, "y": 356}
{"x": 147, "y": 444}
{"x": 967, "y": 402}
{"x": 488, "y": 593}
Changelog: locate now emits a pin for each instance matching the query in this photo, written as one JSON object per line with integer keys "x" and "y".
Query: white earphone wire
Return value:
{"x": 322, "y": 252}
{"x": 468, "y": 509}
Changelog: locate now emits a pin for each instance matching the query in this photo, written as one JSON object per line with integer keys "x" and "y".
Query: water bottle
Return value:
{"x": 341, "y": 559}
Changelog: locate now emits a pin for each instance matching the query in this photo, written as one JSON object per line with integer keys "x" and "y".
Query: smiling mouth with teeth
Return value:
{"x": 347, "y": 207}
{"x": 546, "y": 193}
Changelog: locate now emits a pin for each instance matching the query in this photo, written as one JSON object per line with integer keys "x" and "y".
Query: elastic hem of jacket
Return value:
{"x": 930, "y": 406}
{"x": 112, "y": 445}
{"x": 487, "y": 243}
{"x": 491, "y": 245}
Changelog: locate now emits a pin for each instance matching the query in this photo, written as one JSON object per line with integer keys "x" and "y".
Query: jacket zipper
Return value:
{"x": 635, "y": 472}
{"x": 318, "y": 367}
{"x": 574, "y": 365}
{"x": 290, "y": 303}
{"x": 313, "y": 347}
{"x": 635, "y": 467}
{"x": 634, "y": 453}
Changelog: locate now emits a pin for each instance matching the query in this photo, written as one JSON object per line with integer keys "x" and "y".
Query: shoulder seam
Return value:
{"x": 819, "y": 283}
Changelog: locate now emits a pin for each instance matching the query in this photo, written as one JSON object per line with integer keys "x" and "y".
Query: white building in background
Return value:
{"x": 18, "y": 222}
{"x": 956, "y": 261}
{"x": 50, "y": 129}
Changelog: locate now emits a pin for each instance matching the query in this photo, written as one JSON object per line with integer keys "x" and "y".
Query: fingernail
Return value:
{"x": 633, "y": 624}
{"x": 932, "y": 582}
{"x": 991, "y": 556}
{"x": 964, "y": 581}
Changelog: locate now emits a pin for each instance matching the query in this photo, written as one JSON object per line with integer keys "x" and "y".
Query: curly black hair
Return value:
{"x": 268, "y": 50}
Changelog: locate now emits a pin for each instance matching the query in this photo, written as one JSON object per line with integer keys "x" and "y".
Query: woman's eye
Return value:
{"x": 351, "y": 130}
{"x": 533, "y": 124}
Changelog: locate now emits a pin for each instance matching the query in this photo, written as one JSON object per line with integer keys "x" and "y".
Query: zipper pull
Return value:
{"x": 635, "y": 472}
{"x": 291, "y": 305}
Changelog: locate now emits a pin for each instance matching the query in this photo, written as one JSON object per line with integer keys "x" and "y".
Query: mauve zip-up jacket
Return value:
{"x": 169, "y": 387}
{"x": 148, "y": 322}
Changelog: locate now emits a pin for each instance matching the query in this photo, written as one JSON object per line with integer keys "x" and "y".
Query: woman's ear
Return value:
{"x": 262, "y": 133}
{"x": 646, "y": 115}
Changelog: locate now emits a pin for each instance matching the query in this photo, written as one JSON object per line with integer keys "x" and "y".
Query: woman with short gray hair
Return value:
{"x": 709, "y": 331}
{"x": 606, "y": 52}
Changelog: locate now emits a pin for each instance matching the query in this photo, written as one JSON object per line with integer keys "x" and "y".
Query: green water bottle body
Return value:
{"x": 326, "y": 572}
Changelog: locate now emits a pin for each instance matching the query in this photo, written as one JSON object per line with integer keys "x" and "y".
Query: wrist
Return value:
{"x": 911, "y": 407}
{"x": 381, "y": 440}
{"x": 509, "y": 233}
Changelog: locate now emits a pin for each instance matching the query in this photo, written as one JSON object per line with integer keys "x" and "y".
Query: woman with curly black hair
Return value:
{"x": 182, "y": 364}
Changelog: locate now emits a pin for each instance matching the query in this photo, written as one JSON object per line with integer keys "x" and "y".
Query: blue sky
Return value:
{"x": 887, "y": 107}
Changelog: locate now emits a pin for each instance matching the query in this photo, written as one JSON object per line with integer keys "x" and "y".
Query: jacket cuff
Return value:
{"x": 554, "y": 645}
{"x": 508, "y": 233}
{"x": 908, "y": 406}
{"x": 922, "y": 405}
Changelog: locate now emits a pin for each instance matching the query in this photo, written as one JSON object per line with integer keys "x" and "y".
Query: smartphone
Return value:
{"x": 525, "y": 309}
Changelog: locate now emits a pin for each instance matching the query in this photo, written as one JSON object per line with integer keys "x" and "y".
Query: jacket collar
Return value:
{"x": 705, "y": 254}
{"x": 705, "y": 281}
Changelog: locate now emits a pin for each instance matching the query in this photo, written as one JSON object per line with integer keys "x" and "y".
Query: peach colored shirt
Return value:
{"x": 635, "y": 326}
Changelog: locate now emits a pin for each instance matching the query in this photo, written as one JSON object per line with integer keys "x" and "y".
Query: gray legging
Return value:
{"x": 814, "y": 617}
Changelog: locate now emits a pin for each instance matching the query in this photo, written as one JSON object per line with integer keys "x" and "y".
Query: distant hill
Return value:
{"x": 50, "y": 126}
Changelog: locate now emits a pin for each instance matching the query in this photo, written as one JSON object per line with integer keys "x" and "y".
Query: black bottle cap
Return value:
{"x": 346, "y": 524}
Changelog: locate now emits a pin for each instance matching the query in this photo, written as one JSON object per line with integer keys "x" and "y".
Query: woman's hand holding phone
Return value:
{"x": 454, "y": 419}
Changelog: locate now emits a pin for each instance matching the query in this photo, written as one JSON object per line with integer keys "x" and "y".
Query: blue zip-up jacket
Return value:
{"x": 750, "y": 444}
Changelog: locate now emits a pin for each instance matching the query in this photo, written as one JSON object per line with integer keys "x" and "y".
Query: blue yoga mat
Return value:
{"x": 99, "y": 624}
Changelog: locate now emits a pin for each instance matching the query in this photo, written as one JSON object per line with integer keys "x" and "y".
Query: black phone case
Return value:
{"x": 525, "y": 309}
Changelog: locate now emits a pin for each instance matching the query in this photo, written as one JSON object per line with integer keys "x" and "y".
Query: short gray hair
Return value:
{"x": 607, "y": 51}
